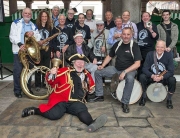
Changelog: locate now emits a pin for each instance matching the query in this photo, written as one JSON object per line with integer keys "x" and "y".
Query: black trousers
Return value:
{"x": 145, "y": 81}
{"x": 74, "y": 108}
{"x": 45, "y": 61}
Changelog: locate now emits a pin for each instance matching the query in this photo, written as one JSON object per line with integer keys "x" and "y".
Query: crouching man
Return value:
{"x": 70, "y": 88}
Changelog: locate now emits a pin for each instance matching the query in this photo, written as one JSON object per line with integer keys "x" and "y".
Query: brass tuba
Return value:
{"x": 32, "y": 50}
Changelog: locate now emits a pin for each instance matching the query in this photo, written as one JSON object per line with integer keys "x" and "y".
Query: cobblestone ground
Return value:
{"x": 151, "y": 121}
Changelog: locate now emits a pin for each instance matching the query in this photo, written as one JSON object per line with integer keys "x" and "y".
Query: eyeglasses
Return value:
{"x": 99, "y": 24}
{"x": 70, "y": 13}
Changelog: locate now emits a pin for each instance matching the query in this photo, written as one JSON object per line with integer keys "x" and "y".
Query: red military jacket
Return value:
{"x": 62, "y": 87}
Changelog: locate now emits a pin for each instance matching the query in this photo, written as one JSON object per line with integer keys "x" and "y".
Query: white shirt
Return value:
{"x": 91, "y": 24}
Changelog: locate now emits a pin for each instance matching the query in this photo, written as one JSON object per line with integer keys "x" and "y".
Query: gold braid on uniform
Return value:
{"x": 84, "y": 85}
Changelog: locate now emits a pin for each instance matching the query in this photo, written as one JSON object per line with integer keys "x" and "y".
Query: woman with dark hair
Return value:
{"x": 82, "y": 28}
{"x": 43, "y": 23}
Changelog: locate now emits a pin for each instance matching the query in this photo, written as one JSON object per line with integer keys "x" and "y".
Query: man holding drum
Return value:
{"x": 155, "y": 63}
{"x": 127, "y": 61}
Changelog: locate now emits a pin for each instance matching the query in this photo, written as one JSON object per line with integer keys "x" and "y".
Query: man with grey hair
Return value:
{"x": 18, "y": 29}
{"x": 55, "y": 13}
{"x": 156, "y": 62}
{"x": 109, "y": 23}
{"x": 89, "y": 21}
{"x": 64, "y": 39}
{"x": 115, "y": 32}
{"x": 98, "y": 41}
{"x": 70, "y": 20}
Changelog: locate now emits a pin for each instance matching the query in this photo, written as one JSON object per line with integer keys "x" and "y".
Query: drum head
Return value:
{"x": 136, "y": 92}
{"x": 156, "y": 92}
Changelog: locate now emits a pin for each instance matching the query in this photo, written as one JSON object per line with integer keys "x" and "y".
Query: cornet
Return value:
{"x": 149, "y": 24}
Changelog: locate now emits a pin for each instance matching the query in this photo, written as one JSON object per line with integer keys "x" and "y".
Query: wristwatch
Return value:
{"x": 124, "y": 71}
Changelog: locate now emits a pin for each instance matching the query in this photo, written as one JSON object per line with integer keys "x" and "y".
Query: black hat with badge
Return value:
{"x": 78, "y": 57}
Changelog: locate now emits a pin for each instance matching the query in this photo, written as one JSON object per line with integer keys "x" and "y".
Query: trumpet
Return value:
{"x": 148, "y": 24}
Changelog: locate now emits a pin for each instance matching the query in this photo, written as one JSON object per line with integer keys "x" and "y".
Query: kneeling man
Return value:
{"x": 70, "y": 87}
{"x": 155, "y": 63}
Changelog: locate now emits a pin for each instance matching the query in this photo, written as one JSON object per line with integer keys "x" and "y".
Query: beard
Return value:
{"x": 79, "y": 69}
{"x": 100, "y": 30}
{"x": 26, "y": 19}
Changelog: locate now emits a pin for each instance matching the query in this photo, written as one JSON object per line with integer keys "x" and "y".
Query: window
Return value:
{"x": 85, "y": 8}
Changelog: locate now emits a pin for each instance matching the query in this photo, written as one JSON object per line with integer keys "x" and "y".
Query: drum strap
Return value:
{"x": 155, "y": 63}
{"x": 131, "y": 45}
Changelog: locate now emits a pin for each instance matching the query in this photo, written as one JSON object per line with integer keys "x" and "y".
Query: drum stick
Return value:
{"x": 63, "y": 59}
{"x": 162, "y": 73}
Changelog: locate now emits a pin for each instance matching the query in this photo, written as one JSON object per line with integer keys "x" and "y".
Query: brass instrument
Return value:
{"x": 149, "y": 24}
{"x": 32, "y": 49}
{"x": 45, "y": 46}
{"x": 56, "y": 62}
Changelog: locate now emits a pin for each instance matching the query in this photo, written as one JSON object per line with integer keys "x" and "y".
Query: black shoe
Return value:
{"x": 28, "y": 111}
{"x": 98, "y": 123}
{"x": 38, "y": 89}
{"x": 113, "y": 94}
{"x": 169, "y": 104}
{"x": 18, "y": 95}
{"x": 97, "y": 99}
{"x": 142, "y": 102}
{"x": 125, "y": 108}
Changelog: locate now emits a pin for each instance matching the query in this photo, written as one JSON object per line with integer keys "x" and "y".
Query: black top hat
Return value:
{"x": 78, "y": 57}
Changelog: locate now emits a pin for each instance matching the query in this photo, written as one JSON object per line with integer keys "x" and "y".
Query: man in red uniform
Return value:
{"x": 70, "y": 86}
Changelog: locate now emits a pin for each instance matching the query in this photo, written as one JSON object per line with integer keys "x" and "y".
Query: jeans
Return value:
{"x": 109, "y": 72}
{"x": 17, "y": 68}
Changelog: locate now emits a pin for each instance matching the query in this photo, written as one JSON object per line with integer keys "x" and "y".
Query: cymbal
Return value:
{"x": 114, "y": 82}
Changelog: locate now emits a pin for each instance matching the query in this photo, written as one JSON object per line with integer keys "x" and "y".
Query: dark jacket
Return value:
{"x": 64, "y": 38}
{"x": 164, "y": 63}
{"x": 71, "y": 50}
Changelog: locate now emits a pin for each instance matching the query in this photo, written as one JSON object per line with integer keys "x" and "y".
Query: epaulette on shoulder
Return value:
{"x": 16, "y": 21}
{"x": 62, "y": 71}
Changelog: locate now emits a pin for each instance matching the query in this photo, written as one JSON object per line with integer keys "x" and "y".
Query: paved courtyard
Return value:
{"x": 151, "y": 121}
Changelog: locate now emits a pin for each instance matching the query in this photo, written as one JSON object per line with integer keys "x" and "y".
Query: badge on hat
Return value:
{"x": 78, "y": 57}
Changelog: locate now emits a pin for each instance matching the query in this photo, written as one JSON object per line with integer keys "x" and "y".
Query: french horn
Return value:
{"x": 32, "y": 50}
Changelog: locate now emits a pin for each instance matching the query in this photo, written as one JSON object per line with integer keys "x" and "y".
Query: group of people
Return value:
{"x": 88, "y": 48}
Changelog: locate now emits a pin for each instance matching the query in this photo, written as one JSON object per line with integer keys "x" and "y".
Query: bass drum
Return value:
{"x": 136, "y": 92}
{"x": 156, "y": 92}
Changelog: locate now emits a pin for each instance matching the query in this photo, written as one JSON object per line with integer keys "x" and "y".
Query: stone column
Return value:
{"x": 66, "y": 3}
{"x": 116, "y": 6}
{"x": 12, "y": 6}
{"x": 178, "y": 4}
{"x": 103, "y": 9}
{"x": 28, "y": 3}
{"x": 134, "y": 7}
{"x": 143, "y": 5}
{"x": 108, "y": 5}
